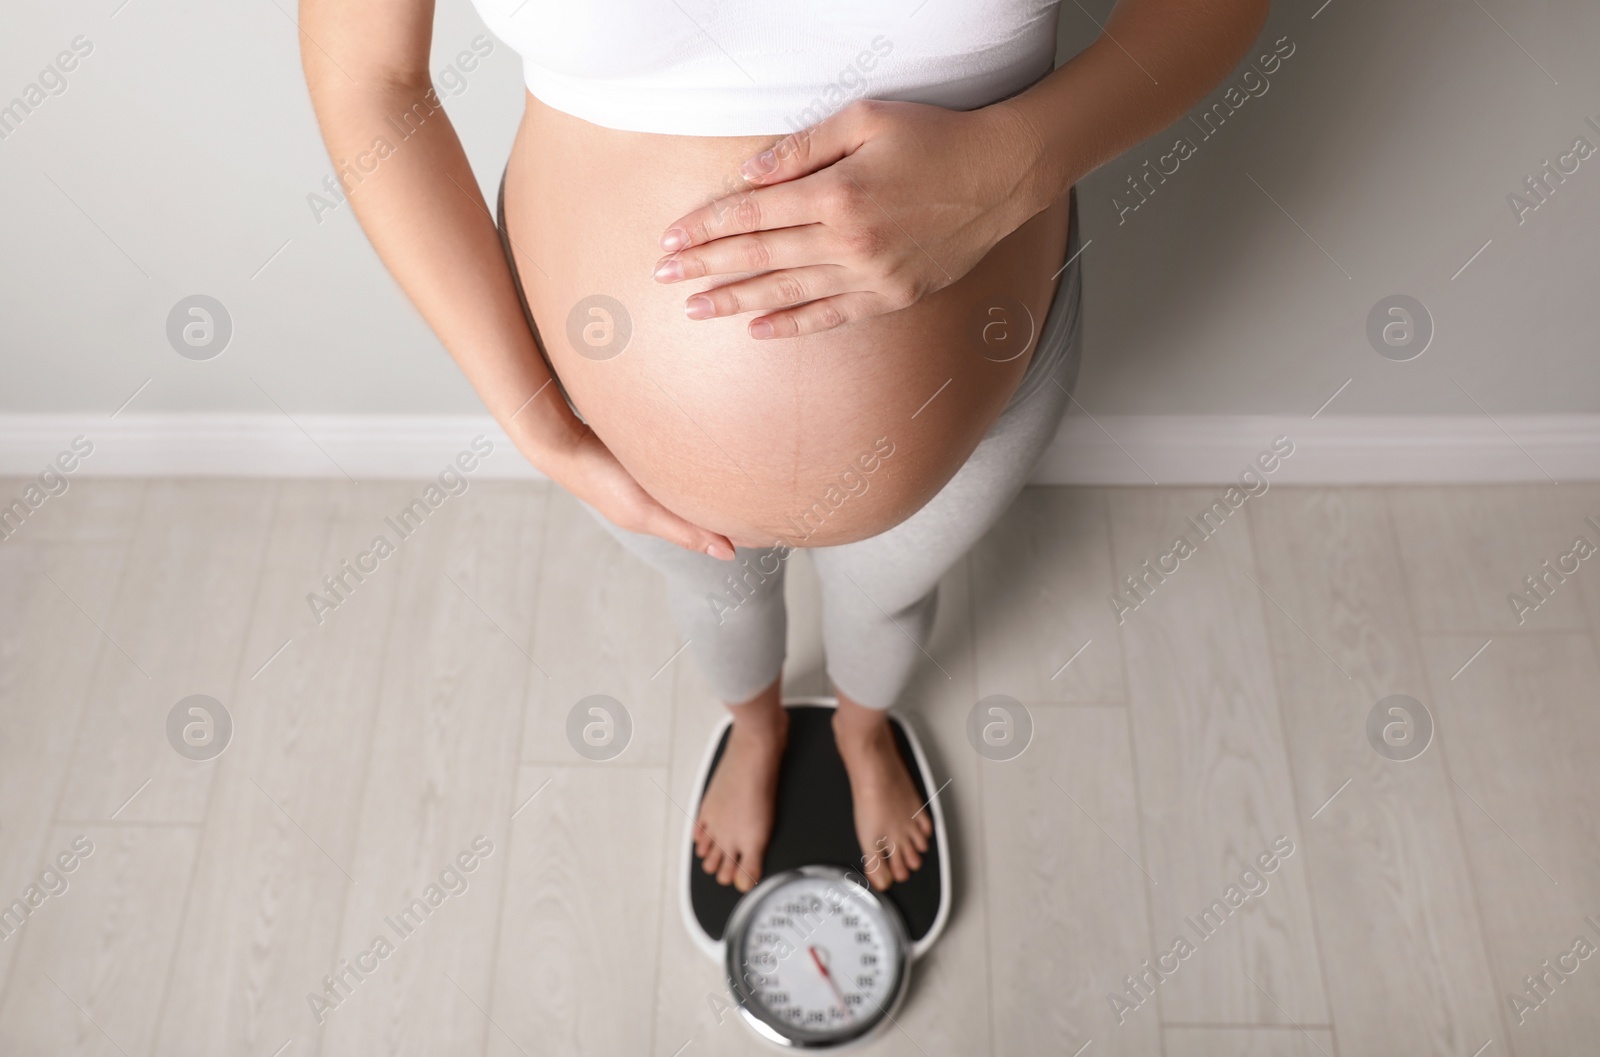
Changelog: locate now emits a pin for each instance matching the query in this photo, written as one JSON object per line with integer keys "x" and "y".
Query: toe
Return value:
{"x": 925, "y": 825}
{"x": 750, "y": 858}
{"x": 730, "y": 866}
{"x": 897, "y": 866}
{"x": 913, "y": 860}
{"x": 712, "y": 860}
{"x": 878, "y": 874}
{"x": 917, "y": 839}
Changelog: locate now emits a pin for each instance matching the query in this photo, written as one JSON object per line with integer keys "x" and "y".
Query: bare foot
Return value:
{"x": 891, "y": 824}
{"x": 730, "y": 836}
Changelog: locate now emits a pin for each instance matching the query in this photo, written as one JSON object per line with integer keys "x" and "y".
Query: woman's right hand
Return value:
{"x": 424, "y": 215}
{"x": 588, "y": 470}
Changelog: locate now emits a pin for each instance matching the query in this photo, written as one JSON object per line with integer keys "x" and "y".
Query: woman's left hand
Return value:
{"x": 867, "y": 212}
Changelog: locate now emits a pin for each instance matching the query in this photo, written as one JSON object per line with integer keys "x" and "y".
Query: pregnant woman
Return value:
{"x": 767, "y": 276}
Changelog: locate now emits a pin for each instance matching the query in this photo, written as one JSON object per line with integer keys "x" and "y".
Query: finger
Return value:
{"x": 763, "y": 209}
{"x": 802, "y": 153}
{"x": 811, "y": 148}
{"x": 757, "y": 251}
{"x": 664, "y": 523}
{"x": 816, "y": 316}
{"x": 794, "y": 286}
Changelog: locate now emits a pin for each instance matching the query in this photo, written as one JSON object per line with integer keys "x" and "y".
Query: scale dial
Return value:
{"x": 815, "y": 959}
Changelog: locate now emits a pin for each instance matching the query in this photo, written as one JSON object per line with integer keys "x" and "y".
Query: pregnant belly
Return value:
{"x": 811, "y": 441}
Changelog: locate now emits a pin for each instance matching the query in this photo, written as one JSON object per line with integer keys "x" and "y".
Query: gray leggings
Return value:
{"x": 878, "y": 594}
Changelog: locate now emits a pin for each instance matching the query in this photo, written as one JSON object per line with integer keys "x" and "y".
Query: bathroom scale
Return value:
{"x": 815, "y": 957}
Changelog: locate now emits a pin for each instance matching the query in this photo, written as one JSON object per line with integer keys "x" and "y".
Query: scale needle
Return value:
{"x": 823, "y": 969}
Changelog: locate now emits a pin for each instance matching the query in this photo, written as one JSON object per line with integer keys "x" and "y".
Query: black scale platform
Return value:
{"x": 815, "y": 826}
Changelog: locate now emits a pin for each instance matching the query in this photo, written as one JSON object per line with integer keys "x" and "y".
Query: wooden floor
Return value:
{"x": 1226, "y": 713}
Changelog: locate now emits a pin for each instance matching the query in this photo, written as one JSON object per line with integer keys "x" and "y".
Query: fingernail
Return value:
{"x": 760, "y": 165}
{"x": 674, "y": 239}
{"x": 761, "y": 329}
{"x": 667, "y": 271}
{"x": 698, "y": 307}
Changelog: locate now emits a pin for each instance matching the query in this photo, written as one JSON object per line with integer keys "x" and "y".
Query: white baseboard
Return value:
{"x": 1330, "y": 449}
{"x": 1108, "y": 449}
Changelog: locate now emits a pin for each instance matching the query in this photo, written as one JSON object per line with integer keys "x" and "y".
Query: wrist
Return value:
{"x": 1036, "y": 176}
{"x": 547, "y": 436}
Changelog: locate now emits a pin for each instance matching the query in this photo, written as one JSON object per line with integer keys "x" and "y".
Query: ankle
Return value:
{"x": 857, "y": 727}
{"x": 763, "y": 713}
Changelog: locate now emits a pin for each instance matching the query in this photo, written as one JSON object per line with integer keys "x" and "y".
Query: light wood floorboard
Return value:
{"x": 1384, "y": 847}
{"x": 576, "y": 971}
{"x": 1041, "y": 579}
{"x": 1508, "y": 531}
{"x": 92, "y": 509}
{"x": 88, "y": 980}
{"x": 180, "y": 621}
{"x": 1521, "y": 734}
{"x": 49, "y": 648}
{"x": 1212, "y": 767}
{"x": 442, "y": 775}
{"x": 601, "y": 628}
{"x": 1249, "y": 1042}
{"x": 1069, "y": 916}
{"x": 263, "y": 915}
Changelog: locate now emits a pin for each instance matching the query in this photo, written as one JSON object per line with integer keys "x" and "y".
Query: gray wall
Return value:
{"x": 179, "y": 158}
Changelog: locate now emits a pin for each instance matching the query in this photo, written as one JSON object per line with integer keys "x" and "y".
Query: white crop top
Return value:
{"x": 757, "y": 67}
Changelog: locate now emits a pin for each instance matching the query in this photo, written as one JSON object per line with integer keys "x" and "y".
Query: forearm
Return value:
{"x": 421, "y": 208}
{"x": 1154, "y": 60}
